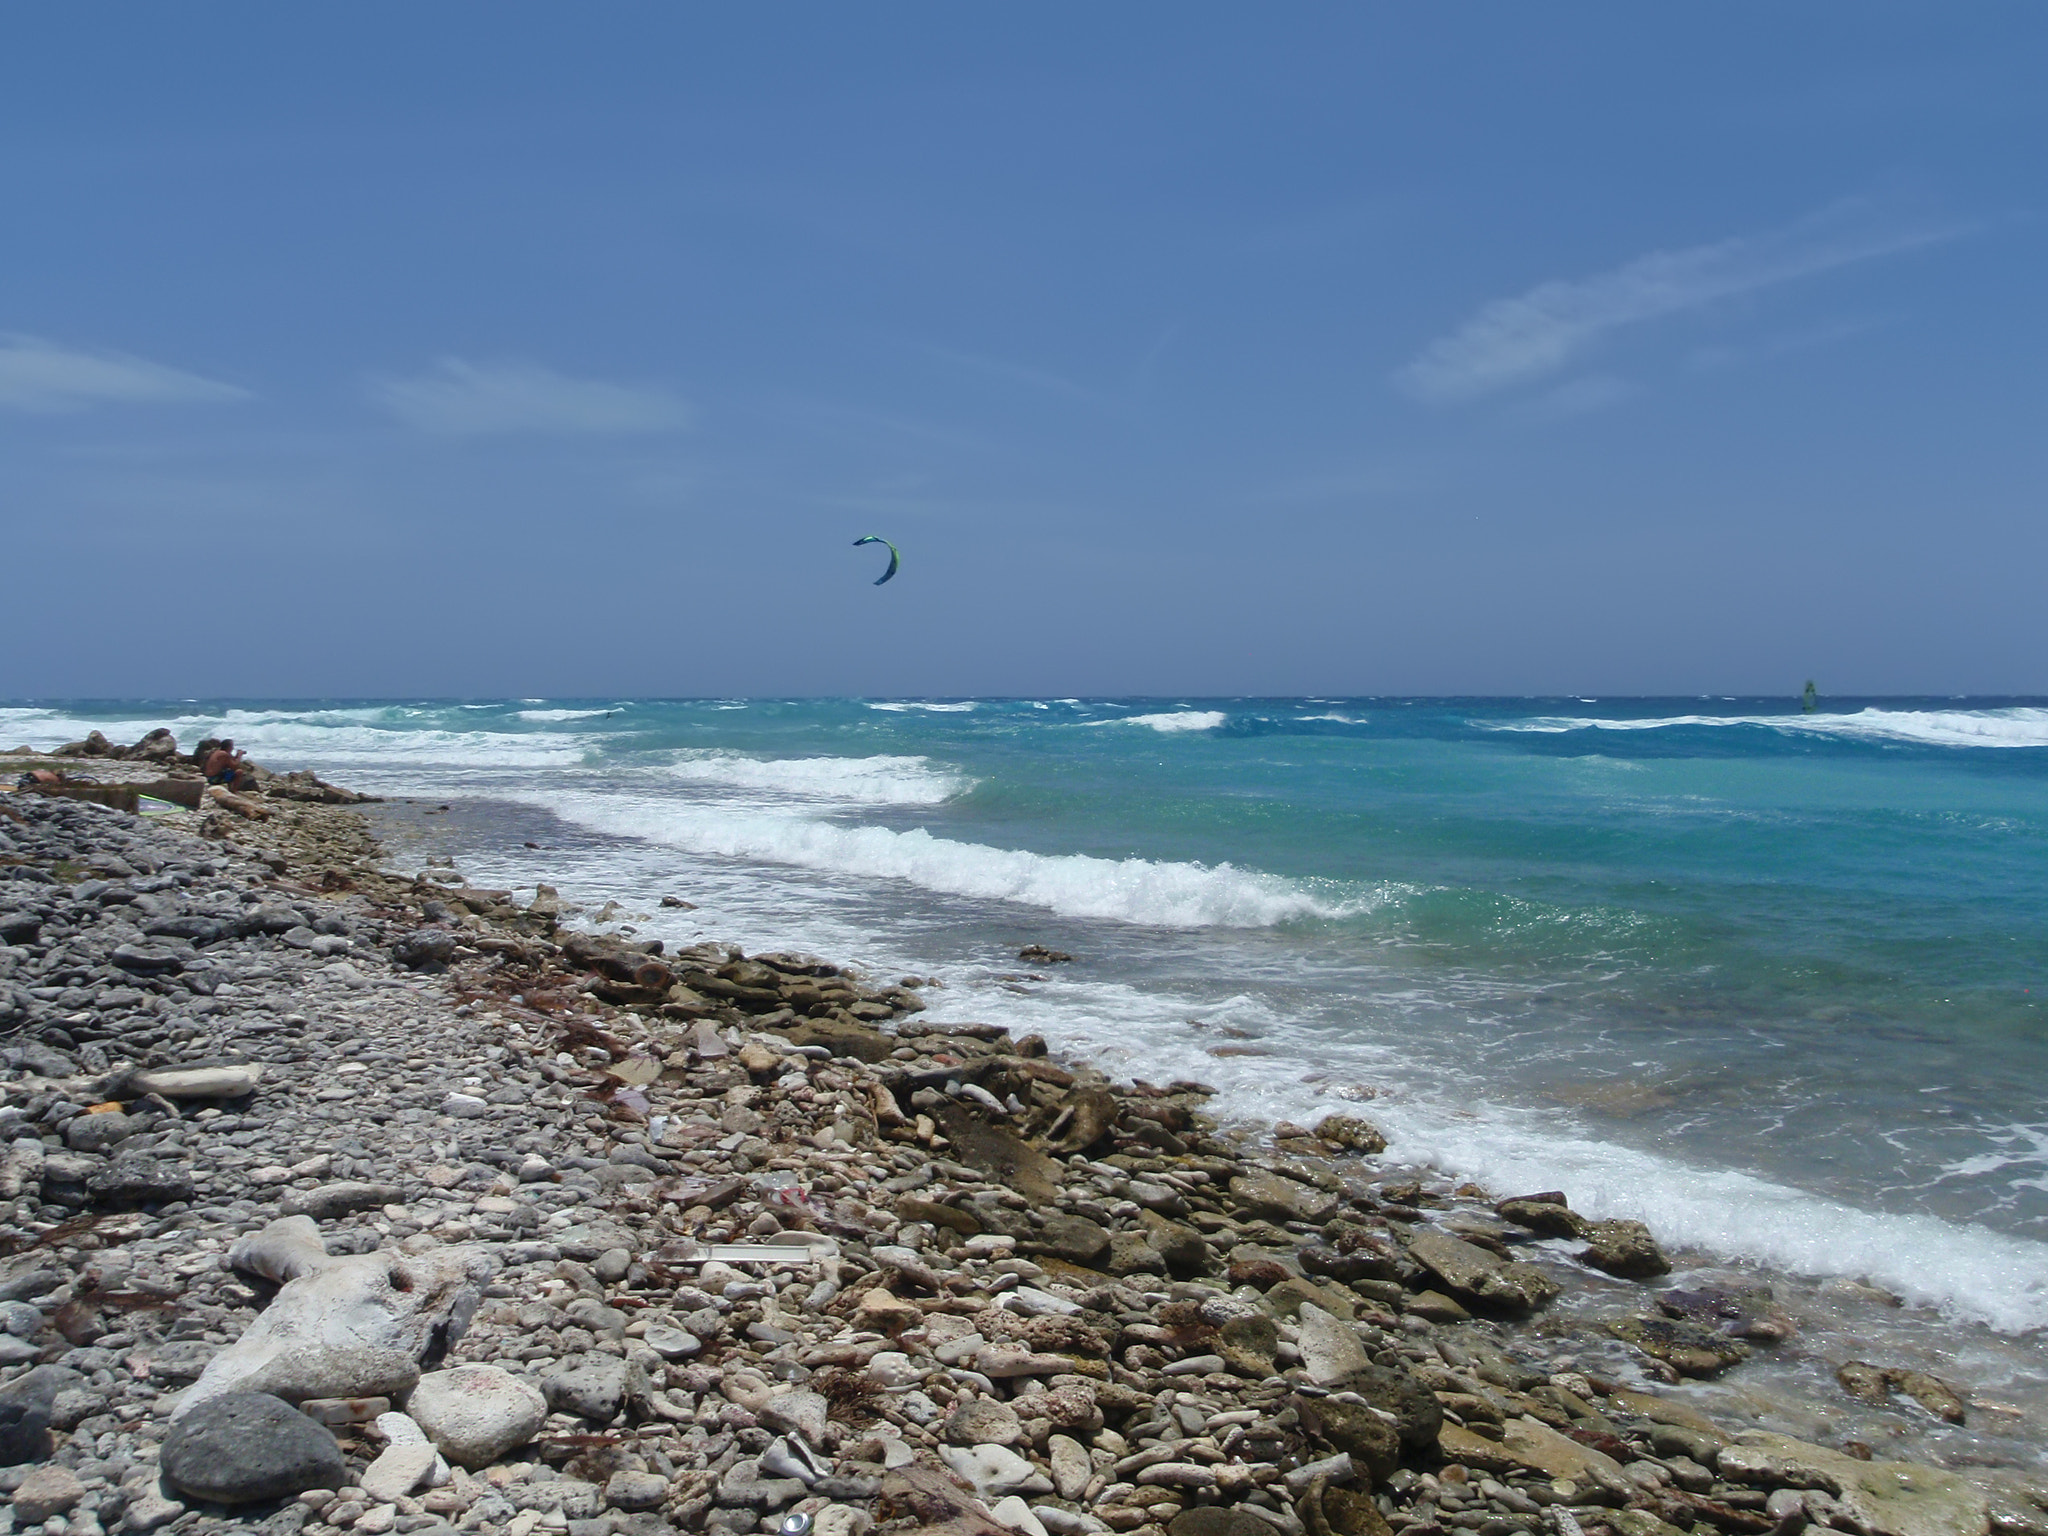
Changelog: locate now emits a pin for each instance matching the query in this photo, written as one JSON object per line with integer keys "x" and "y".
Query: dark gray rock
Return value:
{"x": 590, "y": 1386}
{"x": 24, "y": 1433}
{"x": 244, "y": 1446}
{"x": 147, "y": 959}
{"x": 428, "y": 949}
{"x": 136, "y": 1180}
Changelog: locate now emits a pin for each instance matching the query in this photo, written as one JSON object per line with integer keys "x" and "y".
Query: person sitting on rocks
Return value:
{"x": 222, "y": 764}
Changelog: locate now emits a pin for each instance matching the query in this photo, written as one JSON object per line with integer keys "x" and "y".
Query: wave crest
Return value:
{"x": 1177, "y": 720}
{"x": 881, "y": 780}
{"x": 1157, "y": 893}
{"x": 2020, "y": 726}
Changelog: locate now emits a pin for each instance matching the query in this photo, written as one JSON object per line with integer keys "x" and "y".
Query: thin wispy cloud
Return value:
{"x": 42, "y": 376}
{"x": 1024, "y": 374}
{"x": 1533, "y": 335}
{"x": 459, "y": 398}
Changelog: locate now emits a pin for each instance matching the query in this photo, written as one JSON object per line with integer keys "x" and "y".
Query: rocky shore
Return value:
{"x": 335, "y": 1200}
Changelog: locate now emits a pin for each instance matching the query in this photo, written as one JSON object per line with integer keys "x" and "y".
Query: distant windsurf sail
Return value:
{"x": 894, "y": 558}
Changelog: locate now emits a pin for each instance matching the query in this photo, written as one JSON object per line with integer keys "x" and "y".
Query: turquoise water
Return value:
{"x": 1773, "y": 980}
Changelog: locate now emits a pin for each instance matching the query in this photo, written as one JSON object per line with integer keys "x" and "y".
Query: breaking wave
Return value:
{"x": 1158, "y": 893}
{"x": 858, "y": 780}
{"x": 1179, "y": 720}
{"x": 2016, "y": 727}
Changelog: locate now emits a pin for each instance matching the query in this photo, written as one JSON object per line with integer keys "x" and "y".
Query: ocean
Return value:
{"x": 1772, "y": 981}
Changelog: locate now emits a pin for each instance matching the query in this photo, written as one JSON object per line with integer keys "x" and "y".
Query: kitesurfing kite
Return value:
{"x": 894, "y": 558}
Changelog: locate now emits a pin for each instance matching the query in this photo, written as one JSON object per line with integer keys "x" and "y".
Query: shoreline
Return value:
{"x": 1189, "y": 1214}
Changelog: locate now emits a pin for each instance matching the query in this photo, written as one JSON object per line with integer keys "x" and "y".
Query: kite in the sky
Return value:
{"x": 894, "y": 558}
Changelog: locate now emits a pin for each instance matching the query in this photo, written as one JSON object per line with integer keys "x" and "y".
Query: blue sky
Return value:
{"x": 520, "y": 350}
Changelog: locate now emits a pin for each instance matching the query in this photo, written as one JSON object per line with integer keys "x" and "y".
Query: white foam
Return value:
{"x": 1161, "y": 894}
{"x": 551, "y": 715}
{"x": 1970, "y": 1272}
{"x": 882, "y": 780}
{"x": 902, "y": 706}
{"x": 2020, "y": 726}
{"x": 1178, "y": 720}
{"x": 376, "y": 737}
{"x": 1334, "y": 719}
{"x": 1433, "y": 1117}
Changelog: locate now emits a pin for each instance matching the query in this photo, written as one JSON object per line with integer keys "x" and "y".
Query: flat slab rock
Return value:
{"x": 1887, "y": 1498}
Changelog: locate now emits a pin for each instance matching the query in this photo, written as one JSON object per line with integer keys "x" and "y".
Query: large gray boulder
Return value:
{"x": 239, "y": 1447}
{"x": 354, "y": 1325}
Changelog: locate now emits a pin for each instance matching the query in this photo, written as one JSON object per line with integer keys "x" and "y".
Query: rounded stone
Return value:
{"x": 243, "y": 1446}
{"x": 635, "y": 1490}
{"x": 476, "y": 1413}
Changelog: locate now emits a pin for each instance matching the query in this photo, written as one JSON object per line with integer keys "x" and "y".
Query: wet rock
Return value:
{"x": 1546, "y": 1213}
{"x": 1275, "y": 1197}
{"x": 1623, "y": 1248}
{"x": 1865, "y": 1383}
{"x": 1351, "y": 1133}
{"x": 1435, "y": 1307}
{"x": 1937, "y": 1397}
{"x": 1475, "y": 1275}
{"x": 1885, "y": 1498}
{"x": 1686, "y": 1347}
{"x": 1738, "y": 1311}
{"x": 1368, "y": 1257}
{"x": 1187, "y": 1253}
{"x": 1875, "y": 1384}
{"x": 1089, "y": 1114}
{"x": 240, "y": 1447}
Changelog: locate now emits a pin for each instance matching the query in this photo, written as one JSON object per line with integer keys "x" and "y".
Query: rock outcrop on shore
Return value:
{"x": 339, "y": 1201}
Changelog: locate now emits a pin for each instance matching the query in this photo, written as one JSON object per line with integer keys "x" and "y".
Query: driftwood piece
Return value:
{"x": 241, "y": 805}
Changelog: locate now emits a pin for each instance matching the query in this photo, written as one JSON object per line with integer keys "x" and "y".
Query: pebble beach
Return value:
{"x": 338, "y": 1197}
